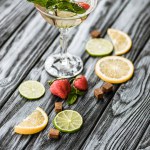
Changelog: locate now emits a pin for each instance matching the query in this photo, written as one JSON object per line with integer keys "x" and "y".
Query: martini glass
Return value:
{"x": 64, "y": 64}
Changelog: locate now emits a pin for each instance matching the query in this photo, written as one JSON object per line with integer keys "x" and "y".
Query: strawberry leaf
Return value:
{"x": 76, "y": 91}
{"x": 50, "y": 82}
{"x": 72, "y": 99}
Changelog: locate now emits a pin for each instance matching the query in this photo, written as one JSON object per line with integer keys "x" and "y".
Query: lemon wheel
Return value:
{"x": 114, "y": 69}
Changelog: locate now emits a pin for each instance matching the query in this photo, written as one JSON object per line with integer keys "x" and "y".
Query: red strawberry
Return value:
{"x": 61, "y": 88}
{"x": 80, "y": 83}
{"x": 84, "y": 5}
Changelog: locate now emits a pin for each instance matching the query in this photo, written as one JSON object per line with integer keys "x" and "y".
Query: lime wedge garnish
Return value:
{"x": 31, "y": 89}
{"x": 99, "y": 47}
{"x": 68, "y": 121}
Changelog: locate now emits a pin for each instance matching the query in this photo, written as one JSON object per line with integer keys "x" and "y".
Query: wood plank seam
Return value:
{"x": 121, "y": 9}
{"x": 135, "y": 57}
{"x": 137, "y": 54}
{"x": 117, "y": 87}
{"x": 29, "y": 17}
{"x": 12, "y": 13}
{"x": 104, "y": 33}
{"x": 108, "y": 106}
{"x": 25, "y": 75}
{"x": 139, "y": 146}
{"x": 15, "y": 30}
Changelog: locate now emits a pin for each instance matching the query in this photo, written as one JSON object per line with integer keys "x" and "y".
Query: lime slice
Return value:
{"x": 65, "y": 14}
{"x": 68, "y": 121}
{"x": 99, "y": 47}
{"x": 31, "y": 89}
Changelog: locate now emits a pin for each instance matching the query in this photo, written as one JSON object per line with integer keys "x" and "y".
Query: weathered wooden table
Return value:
{"x": 119, "y": 122}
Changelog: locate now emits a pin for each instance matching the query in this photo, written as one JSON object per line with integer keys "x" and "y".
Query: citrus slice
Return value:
{"x": 99, "y": 47}
{"x": 114, "y": 69}
{"x": 121, "y": 41}
{"x": 34, "y": 123}
{"x": 68, "y": 121}
{"x": 65, "y": 14}
{"x": 66, "y": 23}
{"x": 31, "y": 89}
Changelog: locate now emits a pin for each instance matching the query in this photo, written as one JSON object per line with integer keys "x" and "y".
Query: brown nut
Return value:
{"x": 95, "y": 34}
{"x": 58, "y": 106}
{"x": 54, "y": 133}
{"x": 98, "y": 93}
{"x": 107, "y": 87}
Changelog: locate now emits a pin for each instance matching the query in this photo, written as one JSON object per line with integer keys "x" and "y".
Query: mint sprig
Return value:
{"x": 72, "y": 99}
{"x": 73, "y": 96}
{"x": 64, "y": 5}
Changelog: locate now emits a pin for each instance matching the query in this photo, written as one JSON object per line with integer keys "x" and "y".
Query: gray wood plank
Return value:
{"x": 8, "y": 78}
{"x": 127, "y": 117}
{"x": 12, "y": 14}
{"x": 90, "y": 109}
{"x": 145, "y": 142}
{"x": 18, "y": 106}
{"x": 21, "y": 52}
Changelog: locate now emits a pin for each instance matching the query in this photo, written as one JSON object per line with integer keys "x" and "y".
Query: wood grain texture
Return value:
{"x": 105, "y": 9}
{"x": 90, "y": 109}
{"x": 12, "y": 14}
{"x": 17, "y": 107}
{"x": 21, "y": 52}
{"x": 145, "y": 142}
{"x": 128, "y": 115}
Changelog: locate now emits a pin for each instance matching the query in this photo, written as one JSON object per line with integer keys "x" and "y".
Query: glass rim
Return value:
{"x": 38, "y": 7}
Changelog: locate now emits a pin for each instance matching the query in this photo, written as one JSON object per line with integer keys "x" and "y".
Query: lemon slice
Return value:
{"x": 68, "y": 121}
{"x": 31, "y": 89}
{"x": 99, "y": 47}
{"x": 121, "y": 41}
{"x": 34, "y": 123}
{"x": 114, "y": 69}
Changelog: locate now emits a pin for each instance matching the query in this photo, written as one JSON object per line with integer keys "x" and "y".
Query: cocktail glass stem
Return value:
{"x": 63, "y": 64}
{"x": 63, "y": 40}
{"x": 63, "y": 44}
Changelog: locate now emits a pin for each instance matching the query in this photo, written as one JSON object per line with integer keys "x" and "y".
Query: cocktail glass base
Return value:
{"x": 63, "y": 65}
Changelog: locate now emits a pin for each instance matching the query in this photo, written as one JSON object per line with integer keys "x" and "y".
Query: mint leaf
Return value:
{"x": 78, "y": 9}
{"x": 39, "y": 2}
{"x": 54, "y": 3}
{"x": 72, "y": 99}
{"x": 68, "y": 6}
{"x": 64, "y": 5}
{"x": 51, "y": 3}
